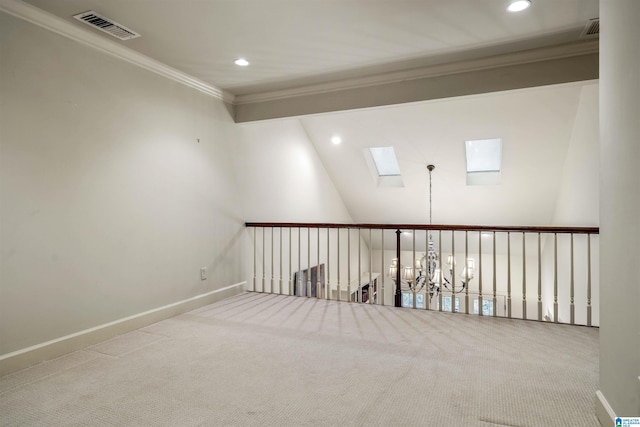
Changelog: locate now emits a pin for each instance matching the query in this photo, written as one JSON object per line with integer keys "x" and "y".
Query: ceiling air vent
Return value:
{"x": 107, "y": 25}
{"x": 592, "y": 29}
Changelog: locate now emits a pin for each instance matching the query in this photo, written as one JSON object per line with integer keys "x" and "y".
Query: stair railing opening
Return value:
{"x": 533, "y": 273}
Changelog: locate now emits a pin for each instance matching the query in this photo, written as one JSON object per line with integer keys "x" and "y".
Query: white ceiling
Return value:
{"x": 299, "y": 42}
{"x": 296, "y": 43}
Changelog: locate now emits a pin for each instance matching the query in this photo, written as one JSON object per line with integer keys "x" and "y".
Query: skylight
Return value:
{"x": 484, "y": 155}
{"x": 484, "y": 161}
{"x": 383, "y": 166}
{"x": 385, "y": 161}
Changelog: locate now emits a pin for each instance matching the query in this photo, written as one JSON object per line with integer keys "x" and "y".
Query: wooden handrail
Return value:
{"x": 517, "y": 228}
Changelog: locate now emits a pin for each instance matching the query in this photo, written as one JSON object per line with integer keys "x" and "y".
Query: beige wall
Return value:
{"x": 285, "y": 181}
{"x": 578, "y": 195}
{"x": 116, "y": 187}
{"x": 284, "y": 177}
{"x": 619, "y": 393}
{"x": 577, "y": 205}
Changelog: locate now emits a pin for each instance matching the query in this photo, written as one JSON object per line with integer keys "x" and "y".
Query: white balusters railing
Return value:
{"x": 551, "y": 270}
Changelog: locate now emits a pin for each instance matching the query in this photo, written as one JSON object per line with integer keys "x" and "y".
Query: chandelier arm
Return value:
{"x": 462, "y": 288}
{"x": 407, "y": 286}
{"x": 421, "y": 280}
{"x": 446, "y": 283}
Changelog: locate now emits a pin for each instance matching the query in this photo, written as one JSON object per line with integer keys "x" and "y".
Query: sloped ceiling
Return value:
{"x": 535, "y": 126}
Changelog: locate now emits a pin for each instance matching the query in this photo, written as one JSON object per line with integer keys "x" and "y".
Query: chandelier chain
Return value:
{"x": 430, "y": 205}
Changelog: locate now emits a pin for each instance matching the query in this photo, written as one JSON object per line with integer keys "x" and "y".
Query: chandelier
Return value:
{"x": 429, "y": 275}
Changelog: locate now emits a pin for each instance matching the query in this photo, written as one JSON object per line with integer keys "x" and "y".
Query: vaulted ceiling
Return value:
{"x": 535, "y": 126}
{"x": 420, "y": 75}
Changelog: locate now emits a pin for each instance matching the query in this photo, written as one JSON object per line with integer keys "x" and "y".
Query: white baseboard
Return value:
{"x": 604, "y": 412}
{"x": 20, "y": 359}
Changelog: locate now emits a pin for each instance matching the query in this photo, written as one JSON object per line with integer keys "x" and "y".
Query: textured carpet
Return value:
{"x": 268, "y": 360}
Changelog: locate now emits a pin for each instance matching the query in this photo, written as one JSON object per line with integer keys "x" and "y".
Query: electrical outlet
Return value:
{"x": 203, "y": 273}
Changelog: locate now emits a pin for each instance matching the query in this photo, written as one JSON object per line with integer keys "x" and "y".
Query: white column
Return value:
{"x": 619, "y": 393}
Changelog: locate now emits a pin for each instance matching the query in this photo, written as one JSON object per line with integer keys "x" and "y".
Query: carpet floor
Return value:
{"x": 270, "y": 360}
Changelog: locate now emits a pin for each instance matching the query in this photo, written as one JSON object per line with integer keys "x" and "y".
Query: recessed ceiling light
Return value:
{"x": 518, "y": 5}
{"x": 336, "y": 140}
{"x": 241, "y": 62}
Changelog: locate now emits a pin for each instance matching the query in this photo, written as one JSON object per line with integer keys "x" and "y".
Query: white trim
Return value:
{"x": 604, "y": 412}
{"x": 25, "y": 357}
{"x": 517, "y": 58}
{"x": 48, "y": 21}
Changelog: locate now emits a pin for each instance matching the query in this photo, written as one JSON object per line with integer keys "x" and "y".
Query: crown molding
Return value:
{"x": 53, "y": 23}
{"x": 517, "y": 58}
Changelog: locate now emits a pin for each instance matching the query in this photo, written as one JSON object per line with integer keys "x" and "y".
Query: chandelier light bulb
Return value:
{"x": 408, "y": 274}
